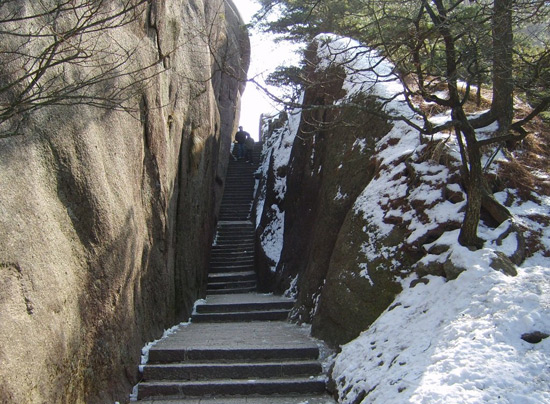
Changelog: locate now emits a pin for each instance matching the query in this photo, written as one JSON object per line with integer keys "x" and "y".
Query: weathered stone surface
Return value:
{"x": 503, "y": 264}
{"x": 534, "y": 337}
{"x": 515, "y": 233}
{"x": 106, "y": 216}
{"x": 328, "y": 170}
{"x": 451, "y": 269}
{"x": 358, "y": 289}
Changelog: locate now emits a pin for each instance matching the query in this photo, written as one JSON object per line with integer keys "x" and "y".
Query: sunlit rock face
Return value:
{"x": 106, "y": 216}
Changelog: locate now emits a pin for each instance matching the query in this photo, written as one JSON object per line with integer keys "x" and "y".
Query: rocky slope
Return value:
{"x": 106, "y": 215}
{"x": 351, "y": 204}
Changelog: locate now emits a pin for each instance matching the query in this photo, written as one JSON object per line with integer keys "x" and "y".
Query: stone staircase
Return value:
{"x": 232, "y": 259}
{"x": 238, "y": 347}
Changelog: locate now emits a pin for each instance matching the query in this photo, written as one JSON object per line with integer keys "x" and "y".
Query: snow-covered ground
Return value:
{"x": 456, "y": 341}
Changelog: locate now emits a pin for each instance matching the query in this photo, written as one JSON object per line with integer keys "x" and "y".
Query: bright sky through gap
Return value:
{"x": 266, "y": 56}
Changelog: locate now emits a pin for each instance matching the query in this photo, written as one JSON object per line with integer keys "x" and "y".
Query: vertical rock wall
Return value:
{"x": 106, "y": 216}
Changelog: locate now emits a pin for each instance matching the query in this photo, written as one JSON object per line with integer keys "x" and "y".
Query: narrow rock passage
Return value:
{"x": 239, "y": 347}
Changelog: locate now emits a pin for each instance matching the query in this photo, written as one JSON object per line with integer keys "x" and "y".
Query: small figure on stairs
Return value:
{"x": 240, "y": 139}
{"x": 249, "y": 145}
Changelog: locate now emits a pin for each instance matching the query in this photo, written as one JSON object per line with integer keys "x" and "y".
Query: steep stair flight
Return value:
{"x": 239, "y": 347}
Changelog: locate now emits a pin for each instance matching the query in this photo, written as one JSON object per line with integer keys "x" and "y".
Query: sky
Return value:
{"x": 266, "y": 56}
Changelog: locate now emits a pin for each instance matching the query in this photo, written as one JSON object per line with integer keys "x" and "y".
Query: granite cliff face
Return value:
{"x": 106, "y": 216}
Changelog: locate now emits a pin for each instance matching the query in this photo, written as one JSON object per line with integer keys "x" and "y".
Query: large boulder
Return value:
{"x": 106, "y": 215}
{"x": 358, "y": 289}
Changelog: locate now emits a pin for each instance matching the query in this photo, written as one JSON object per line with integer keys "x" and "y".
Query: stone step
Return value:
{"x": 242, "y": 308}
{"x": 236, "y": 341}
{"x": 246, "y": 259}
{"x": 231, "y": 267}
{"x": 239, "y": 190}
{"x": 239, "y": 193}
{"x": 232, "y": 252}
{"x": 229, "y": 353}
{"x": 241, "y": 177}
{"x": 262, "y": 315}
{"x": 235, "y": 232}
{"x": 234, "y": 291}
{"x": 232, "y": 276}
{"x": 246, "y": 177}
{"x": 235, "y": 207}
{"x": 234, "y": 210}
{"x": 241, "y": 198}
{"x": 230, "y": 387}
{"x": 242, "y": 247}
{"x": 222, "y": 258}
{"x": 238, "y": 197}
{"x": 236, "y": 204}
{"x": 235, "y": 229}
{"x": 238, "y": 247}
{"x": 231, "y": 284}
{"x": 233, "y": 224}
{"x": 241, "y": 171}
{"x": 237, "y": 236}
{"x": 207, "y": 309}
{"x": 228, "y": 269}
{"x": 228, "y": 202}
{"x": 235, "y": 215}
{"x": 237, "y": 179}
{"x": 240, "y": 216}
{"x": 227, "y": 237}
{"x": 241, "y": 166}
{"x": 248, "y": 183}
{"x": 237, "y": 241}
{"x": 312, "y": 398}
{"x": 230, "y": 370}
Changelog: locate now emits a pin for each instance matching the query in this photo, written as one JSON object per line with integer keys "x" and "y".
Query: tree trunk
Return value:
{"x": 502, "y": 106}
{"x": 468, "y": 232}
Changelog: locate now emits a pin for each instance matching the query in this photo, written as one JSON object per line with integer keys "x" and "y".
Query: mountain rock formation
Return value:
{"x": 106, "y": 215}
{"x": 330, "y": 164}
{"x": 358, "y": 201}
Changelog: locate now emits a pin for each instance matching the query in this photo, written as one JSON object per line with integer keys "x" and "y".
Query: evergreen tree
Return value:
{"x": 503, "y": 45}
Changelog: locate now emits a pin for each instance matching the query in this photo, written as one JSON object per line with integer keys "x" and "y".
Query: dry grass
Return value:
{"x": 527, "y": 168}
